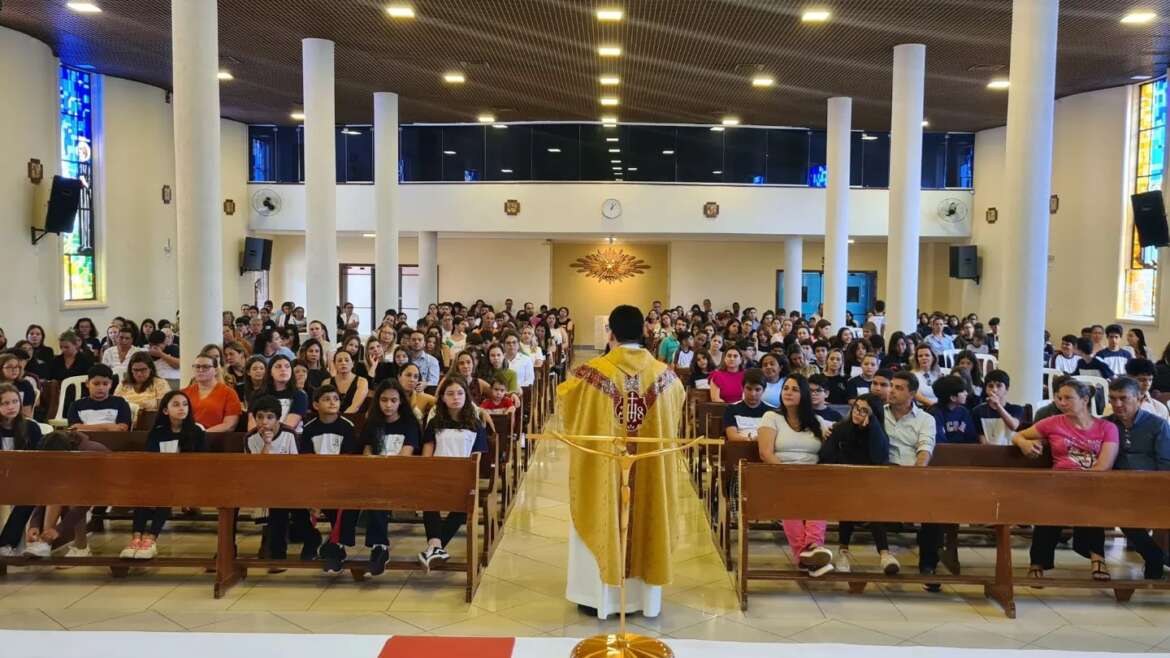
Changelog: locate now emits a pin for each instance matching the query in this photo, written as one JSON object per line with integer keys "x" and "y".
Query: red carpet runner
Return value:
{"x": 412, "y": 646}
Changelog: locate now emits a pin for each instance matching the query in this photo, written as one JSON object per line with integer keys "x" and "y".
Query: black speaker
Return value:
{"x": 257, "y": 255}
{"x": 63, "y": 202}
{"x": 964, "y": 262}
{"x": 1149, "y": 217}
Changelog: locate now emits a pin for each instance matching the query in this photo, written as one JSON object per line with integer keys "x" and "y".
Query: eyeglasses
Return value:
{"x": 861, "y": 411}
{"x": 204, "y": 367}
{"x": 815, "y": 389}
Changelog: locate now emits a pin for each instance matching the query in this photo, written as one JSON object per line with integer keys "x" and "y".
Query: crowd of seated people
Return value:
{"x": 804, "y": 391}
{"x": 423, "y": 389}
{"x": 808, "y": 394}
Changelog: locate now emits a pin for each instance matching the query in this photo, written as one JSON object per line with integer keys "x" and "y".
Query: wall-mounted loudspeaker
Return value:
{"x": 1149, "y": 217}
{"x": 257, "y": 255}
{"x": 965, "y": 262}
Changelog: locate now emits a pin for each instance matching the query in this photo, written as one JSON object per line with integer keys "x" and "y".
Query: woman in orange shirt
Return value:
{"x": 214, "y": 404}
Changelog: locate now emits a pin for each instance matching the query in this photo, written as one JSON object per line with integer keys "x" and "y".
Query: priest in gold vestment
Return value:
{"x": 623, "y": 393}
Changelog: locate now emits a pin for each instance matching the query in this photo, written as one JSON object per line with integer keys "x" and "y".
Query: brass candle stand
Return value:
{"x": 623, "y": 644}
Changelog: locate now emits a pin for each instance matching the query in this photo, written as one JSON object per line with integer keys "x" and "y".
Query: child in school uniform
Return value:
{"x": 996, "y": 419}
{"x": 270, "y": 438}
{"x": 16, "y": 433}
{"x": 391, "y": 429}
{"x": 174, "y": 431}
{"x": 455, "y": 430}
{"x": 953, "y": 420}
{"x": 101, "y": 411}
{"x": 499, "y": 402}
{"x": 860, "y": 385}
{"x": 330, "y": 433}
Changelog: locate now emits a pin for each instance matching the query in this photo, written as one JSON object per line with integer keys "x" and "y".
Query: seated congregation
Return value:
{"x": 462, "y": 382}
{"x": 795, "y": 389}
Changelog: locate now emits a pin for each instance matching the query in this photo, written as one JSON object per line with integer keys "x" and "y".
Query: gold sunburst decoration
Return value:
{"x": 610, "y": 265}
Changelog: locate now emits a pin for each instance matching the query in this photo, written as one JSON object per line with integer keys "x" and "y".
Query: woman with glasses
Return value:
{"x": 141, "y": 384}
{"x": 12, "y": 372}
{"x": 214, "y": 405}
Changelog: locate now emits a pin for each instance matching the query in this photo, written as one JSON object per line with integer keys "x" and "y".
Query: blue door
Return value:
{"x": 810, "y": 294}
{"x": 860, "y": 290}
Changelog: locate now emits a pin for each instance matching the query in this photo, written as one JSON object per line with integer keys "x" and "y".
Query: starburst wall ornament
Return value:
{"x": 610, "y": 265}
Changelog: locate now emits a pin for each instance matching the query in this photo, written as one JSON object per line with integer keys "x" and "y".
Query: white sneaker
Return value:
{"x": 844, "y": 562}
{"x": 38, "y": 549}
{"x": 815, "y": 557}
{"x": 147, "y": 551}
{"x": 890, "y": 564}
{"x": 78, "y": 552}
{"x": 8, "y": 551}
{"x": 816, "y": 573}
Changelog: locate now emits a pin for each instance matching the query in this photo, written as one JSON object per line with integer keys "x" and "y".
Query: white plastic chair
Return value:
{"x": 45, "y": 429}
{"x": 71, "y": 383}
{"x": 133, "y": 413}
{"x": 987, "y": 363}
{"x": 1099, "y": 384}
{"x": 947, "y": 358}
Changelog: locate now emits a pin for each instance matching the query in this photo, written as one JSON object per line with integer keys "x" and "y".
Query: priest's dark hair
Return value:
{"x": 625, "y": 322}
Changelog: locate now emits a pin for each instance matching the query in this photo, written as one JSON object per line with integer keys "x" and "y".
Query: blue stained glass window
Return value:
{"x": 77, "y": 161}
{"x": 818, "y": 176}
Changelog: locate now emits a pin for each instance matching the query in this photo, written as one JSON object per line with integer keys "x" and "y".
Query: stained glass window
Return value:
{"x": 1141, "y": 274}
{"x": 78, "y": 253}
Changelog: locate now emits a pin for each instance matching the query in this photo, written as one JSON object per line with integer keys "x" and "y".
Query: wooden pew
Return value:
{"x": 731, "y": 454}
{"x": 709, "y": 421}
{"x": 489, "y": 496}
{"x": 999, "y": 497}
{"x": 230, "y": 481}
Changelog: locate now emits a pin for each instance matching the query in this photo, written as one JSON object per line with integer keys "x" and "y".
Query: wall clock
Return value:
{"x": 611, "y": 208}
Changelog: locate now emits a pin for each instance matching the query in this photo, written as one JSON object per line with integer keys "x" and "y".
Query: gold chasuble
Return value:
{"x": 624, "y": 393}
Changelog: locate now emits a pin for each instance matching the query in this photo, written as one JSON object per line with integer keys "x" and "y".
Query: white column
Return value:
{"x": 837, "y": 209}
{"x": 195, "y": 62}
{"x": 1028, "y": 172}
{"x": 321, "y": 274}
{"x": 905, "y": 187}
{"x": 428, "y": 270}
{"x": 385, "y": 202}
{"x": 793, "y": 267}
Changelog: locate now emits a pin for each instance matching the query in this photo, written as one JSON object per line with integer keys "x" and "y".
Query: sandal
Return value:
{"x": 1036, "y": 573}
{"x": 1100, "y": 573}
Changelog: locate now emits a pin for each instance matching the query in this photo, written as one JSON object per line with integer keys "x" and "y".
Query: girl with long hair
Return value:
{"x": 727, "y": 381}
{"x": 794, "y": 434}
{"x": 175, "y": 431}
{"x": 454, "y": 431}
{"x": 16, "y": 433}
{"x": 278, "y": 383}
{"x": 351, "y": 387}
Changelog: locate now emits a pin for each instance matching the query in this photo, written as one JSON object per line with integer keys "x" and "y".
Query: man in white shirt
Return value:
{"x": 937, "y": 340}
{"x": 518, "y": 361}
{"x": 912, "y": 436}
{"x": 1143, "y": 371}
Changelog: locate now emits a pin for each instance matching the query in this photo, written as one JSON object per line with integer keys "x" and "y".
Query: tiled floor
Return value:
{"x": 522, "y": 594}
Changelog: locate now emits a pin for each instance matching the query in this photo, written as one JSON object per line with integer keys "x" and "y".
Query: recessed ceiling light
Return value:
{"x": 400, "y": 11}
{"x": 505, "y": 171}
{"x": 609, "y": 14}
{"x": 869, "y": 138}
{"x": 297, "y": 116}
{"x": 815, "y": 15}
{"x": 1138, "y": 17}
{"x": 716, "y": 129}
{"x": 617, "y": 168}
{"x": 615, "y": 161}
{"x": 615, "y": 150}
{"x": 631, "y": 169}
{"x": 998, "y": 83}
{"x": 668, "y": 152}
{"x": 609, "y": 120}
{"x": 718, "y": 172}
{"x": 225, "y": 75}
{"x": 609, "y": 80}
{"x": 350, "y": 131}
{"x": 925, "y": 123}
{"x": 554, "y": 150}
{"x": 763, "y": 81}
{"x": 499, "y": 125}
{"x": 611, "y": 139}
{"x": 609, "y": 101}
{"x": 448, "y": 152}
{"x": 730, "y": 121}
{"x": 609, "y": 51}
{"x": 1139, "y": 77}
{"x": 84, "y": 7}
{"x": 486, "y": 118}
{"x": 369, "y": 235}
{"x": 454, "y": 78}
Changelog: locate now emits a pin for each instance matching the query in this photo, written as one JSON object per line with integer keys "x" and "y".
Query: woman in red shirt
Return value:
{"x": 727, "y": 381}
{"x": 214, "y": 404}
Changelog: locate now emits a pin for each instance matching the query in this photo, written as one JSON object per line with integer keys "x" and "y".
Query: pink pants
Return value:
{"x": 803, "y": 534}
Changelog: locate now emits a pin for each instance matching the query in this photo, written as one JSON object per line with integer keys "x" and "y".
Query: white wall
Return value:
{"x": 28, "y": 129}
{"x": 469, "y": 268}
{"x": 1091, "y": 175}
{"x": 552, "y": 209}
